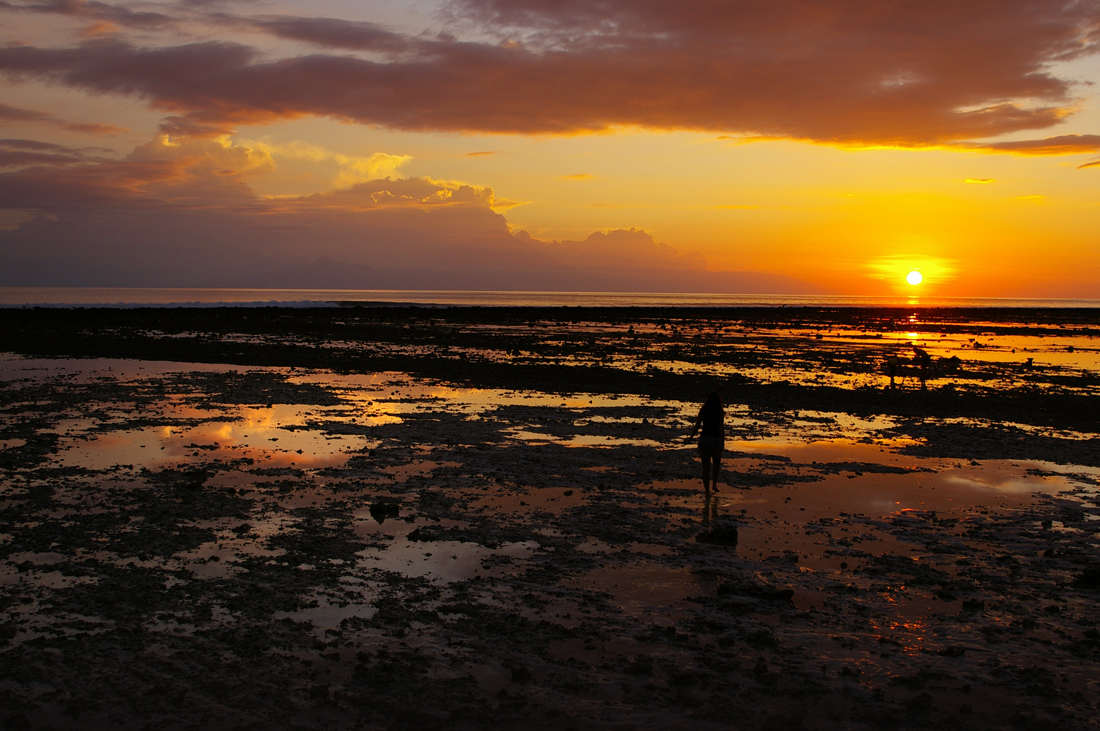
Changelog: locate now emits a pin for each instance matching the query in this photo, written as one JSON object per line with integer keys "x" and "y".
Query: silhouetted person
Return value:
{"x": 893, "y": 363}
{"x": 922, "y": 359}
{"x": 712, "y": 438}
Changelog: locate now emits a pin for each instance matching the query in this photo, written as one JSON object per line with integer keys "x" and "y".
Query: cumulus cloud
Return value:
{"x": 624, "y": 250}
{"x": 353, "y": 170}
{"x": 844, "y": 72}
{"x": 181, "y": 212}
{"x": 163, "y": 173}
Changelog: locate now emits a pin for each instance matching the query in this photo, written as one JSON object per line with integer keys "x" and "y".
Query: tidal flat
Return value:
{"x": 467, "y": 518}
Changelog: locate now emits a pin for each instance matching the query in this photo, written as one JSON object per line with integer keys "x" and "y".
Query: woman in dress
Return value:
{"x": 711, "y": 439}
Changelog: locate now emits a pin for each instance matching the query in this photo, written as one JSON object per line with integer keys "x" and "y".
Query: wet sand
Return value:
{"x": 410, "y": 518}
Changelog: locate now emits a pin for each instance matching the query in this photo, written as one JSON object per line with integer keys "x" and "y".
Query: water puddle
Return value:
{"x": 547, "y": 499}
{"x": 644, "y": 588}
{"x": 444, "y": 562}
{"x": 329, "y": 614}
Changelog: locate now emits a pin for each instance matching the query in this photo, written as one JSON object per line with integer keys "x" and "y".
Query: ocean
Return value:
{"x": 182, "y": 297}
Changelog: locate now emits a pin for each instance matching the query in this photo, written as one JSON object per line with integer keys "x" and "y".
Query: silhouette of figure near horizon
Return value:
{"x": 922, "y": 359}
{"x": 712, "y": 439}
{"x": 893, "y": 364}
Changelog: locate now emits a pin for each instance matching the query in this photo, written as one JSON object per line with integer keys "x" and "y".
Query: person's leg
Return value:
{"x": 717, "y": 468}
{"x": 706, "y": 471}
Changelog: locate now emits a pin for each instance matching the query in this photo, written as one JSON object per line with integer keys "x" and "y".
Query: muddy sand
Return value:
{"x": 417, "y": 518}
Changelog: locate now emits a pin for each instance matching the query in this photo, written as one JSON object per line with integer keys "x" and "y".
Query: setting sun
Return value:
{"x": 914, "y": 277}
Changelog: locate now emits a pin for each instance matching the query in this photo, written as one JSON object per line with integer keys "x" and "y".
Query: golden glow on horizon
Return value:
{"x": 912, "y": 270}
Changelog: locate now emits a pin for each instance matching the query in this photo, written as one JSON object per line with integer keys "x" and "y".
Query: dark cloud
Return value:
{"x": 19, "y": 158}
{"x": 335, "y": 33}
{"x": 32, "y": 145}
{"x": 1061, "y": 145}
{"x": 97, "y": 11}
{"x": 16, "y": 114}
{"x": 850, "y": 71}
{"x": 180, "y": 212}
{"x": 22, "y": 153}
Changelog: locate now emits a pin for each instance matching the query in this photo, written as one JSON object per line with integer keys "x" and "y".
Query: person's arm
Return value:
{"x": 698, "y": 421}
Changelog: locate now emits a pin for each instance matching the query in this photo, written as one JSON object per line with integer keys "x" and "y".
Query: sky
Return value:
{"x": 778, "y": 146}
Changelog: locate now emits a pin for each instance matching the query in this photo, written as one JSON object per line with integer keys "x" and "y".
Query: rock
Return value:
{"x": 1089, "y": 578}
{"x": 382, "y": 510}
{"x": 757, "y": 591}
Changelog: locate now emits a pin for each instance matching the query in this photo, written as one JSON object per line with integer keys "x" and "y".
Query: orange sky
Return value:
{"x": 782, "y": 146}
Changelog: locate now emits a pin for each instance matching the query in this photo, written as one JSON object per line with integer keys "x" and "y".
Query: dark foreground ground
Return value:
{"x": 470, "y": 518}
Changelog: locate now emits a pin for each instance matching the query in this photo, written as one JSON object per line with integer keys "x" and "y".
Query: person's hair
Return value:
{"x": 714, "y": 401}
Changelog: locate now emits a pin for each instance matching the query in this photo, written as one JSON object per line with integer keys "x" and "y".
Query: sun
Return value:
{"x": 914, "y": 277}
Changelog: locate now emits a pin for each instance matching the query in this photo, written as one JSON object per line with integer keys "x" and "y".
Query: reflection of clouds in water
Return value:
{"x": 1015, "y": 485}
{"x": 327, "y": 615}
{"x": 268, "y": 435}
{"x": 442, "y": 562}
{"x": 584, "y": 440}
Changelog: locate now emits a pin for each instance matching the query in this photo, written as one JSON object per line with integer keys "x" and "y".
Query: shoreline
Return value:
{"x": 132, "y": 297}
{"x": 508, "y": 531}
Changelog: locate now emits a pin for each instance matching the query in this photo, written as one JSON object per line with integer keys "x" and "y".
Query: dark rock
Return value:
{"x": 756, "y": 591}
{"x": 1089, "y": 578}
{"x": 382, "y": 510}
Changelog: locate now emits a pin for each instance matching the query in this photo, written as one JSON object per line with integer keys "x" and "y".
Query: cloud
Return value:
{"x": 21, "y": 153}
{"x": 353, "y": 170}
{"x": 979, "y": 181}
{"x": 845, "y": 72}
{"x": 481, "y": 154}
{"x": 1060, "y": 145}
{"x": 17, "y": 114}
{"x": 180, "y": 211}
{"x": 163, "y": 173}
{"x": 624, "y": 250}
{"x": 331, "y": 33}
{"x": 578, "y": 176}
{"x": 1094, "y": 163}
{"x": 99, "y": 28}
{"x": 102, "y": 14}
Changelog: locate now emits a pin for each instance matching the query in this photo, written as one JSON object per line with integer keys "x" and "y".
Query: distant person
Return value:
{"x": 893, "y": 364}
{"x": 924, "y": 360}
{"x": 712, "y": 439}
